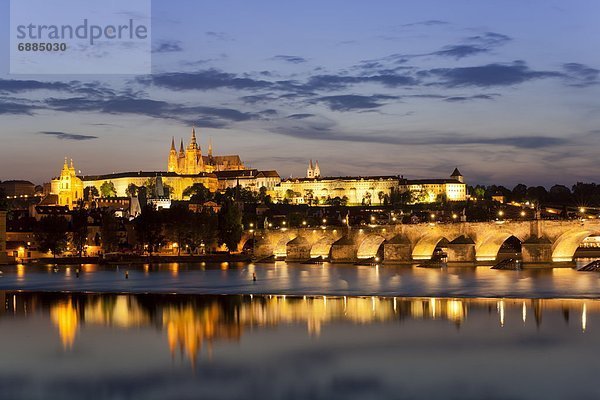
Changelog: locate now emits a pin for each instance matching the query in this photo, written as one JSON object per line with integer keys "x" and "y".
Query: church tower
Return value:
{"x": 317, "y": 170}
{"x": 181, "y": 159}
{"x": 68, "y": 187}
{"x": 193, "y": 156}
{"x": 457, "y": 176}
{"x": 172, "y": 165}
{"x": 310, "y": 171}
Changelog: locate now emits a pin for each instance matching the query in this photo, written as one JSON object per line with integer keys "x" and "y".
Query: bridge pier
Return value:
{"x": 262, "y": 248}
{"x": 461, "y": 249}
{"x": 397, "y": 250}
{"x": 344, "y": 250}
{"x": 536, "y": 250}
{"x": 298, "y": 249}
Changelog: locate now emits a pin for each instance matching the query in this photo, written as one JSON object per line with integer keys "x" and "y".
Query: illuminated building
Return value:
{"x": 191, "y": 161}
{"x": 369, "y": 190}
{"x": 184, "y": 169}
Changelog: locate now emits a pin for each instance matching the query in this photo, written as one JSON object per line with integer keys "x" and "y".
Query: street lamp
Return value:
{"x": 523, "y": 213}
{"x": 324, "y": 221}
{"x": 303, "y": 223}
{"x": 500, "y": 213}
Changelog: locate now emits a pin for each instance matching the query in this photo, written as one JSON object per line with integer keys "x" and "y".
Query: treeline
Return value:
{"x": 587, "y": 194}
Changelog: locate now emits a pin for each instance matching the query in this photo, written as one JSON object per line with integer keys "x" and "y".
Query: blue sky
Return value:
{"x": 505, "y": 90}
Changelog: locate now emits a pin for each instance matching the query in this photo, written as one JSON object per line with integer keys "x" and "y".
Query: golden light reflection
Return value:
{"x": 64, "y": 316}
{"x": 501, "y": 312}
{"x": 20, "y": 271}
{"x": 192, "y": 324}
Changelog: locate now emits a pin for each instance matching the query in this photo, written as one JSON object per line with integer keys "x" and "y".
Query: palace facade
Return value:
{"x": 368, "y": 190}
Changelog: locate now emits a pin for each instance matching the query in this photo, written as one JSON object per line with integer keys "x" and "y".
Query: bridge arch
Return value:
{"x": 426, "y": 245}
{"x": 488, "y": 248}
{"x": 370, "y": 246}
{"x": 566, "y": 244}
{"x": 322, "y": 247}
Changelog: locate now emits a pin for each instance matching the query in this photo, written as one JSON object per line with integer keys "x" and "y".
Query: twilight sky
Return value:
{"x": 508, "y": 91}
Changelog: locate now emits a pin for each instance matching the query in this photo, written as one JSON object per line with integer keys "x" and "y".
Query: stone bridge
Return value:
{"x": 542, "y": 241}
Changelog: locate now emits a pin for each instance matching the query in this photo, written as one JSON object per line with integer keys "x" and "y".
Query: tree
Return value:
{"x": 204, "y": 229}
{"x": 198, "y": 193}
{"x": 179, "y": 225}
{"x": 230, "y": 225}
{"x": 132, "y": 190}
{"x": 109, "y": 229}
{"x": 381, "y": 196}
{"x": 90, "y": 192}
{"x": 560, "y": 194}
{"x": 79, "y": 229}
{"x": 51, "y": 233}
{"x": 107, "y": 189}
{"x": 149, "y": 228}
{"x": 289, "y": 194}
{"x": 519, "y": 193}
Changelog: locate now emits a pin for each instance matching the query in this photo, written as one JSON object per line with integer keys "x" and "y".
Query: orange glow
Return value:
{"x": 64, "y": 315}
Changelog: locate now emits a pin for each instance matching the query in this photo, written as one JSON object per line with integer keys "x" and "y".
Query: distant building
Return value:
{"x": 191, "y": 161}
{"x": 368, "y": 190}
{"x": 17, "y": 188}
{"x": 313, "y": 172}
{"x": 432, "y": 190}
{"x": 184, "y": 169}
{"x": 250, "y": 179}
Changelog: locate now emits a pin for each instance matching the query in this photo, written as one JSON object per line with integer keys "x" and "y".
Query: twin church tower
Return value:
{"x": 190, "y": 161}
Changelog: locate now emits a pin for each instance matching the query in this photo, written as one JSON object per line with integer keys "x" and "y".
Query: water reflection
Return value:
{"x": 194, "y": 323}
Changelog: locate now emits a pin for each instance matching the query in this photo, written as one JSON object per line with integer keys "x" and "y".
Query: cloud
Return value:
{"x": 338, "y": 82}
{"x": 9, "y": 107}
{"x": 68, "y": 136}
{"x": 203, "y": 80}
{"x": 490, "y": 39}
{"x": 290, "y": 59}
{"x": 210, "y": 117}
{"x": 581, "y": 75}
{"x": 172, "y": 46}
{"x": 430, "y": 22}
{"x": 318, "y": 128}
{"x": 351, "y": 102}
{"x": 16, "y": 86}
{"x": 460, "y": 51}
{"x": 218, "y": 35}
{"x": 459, "y": 99}
{"x": 300, "y": 116}
{"x": 486, "y": 75}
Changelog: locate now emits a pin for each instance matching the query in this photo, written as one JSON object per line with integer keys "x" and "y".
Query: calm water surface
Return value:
{"x": 302, "y": 279}
{"x": 298, "y": 332}
{"x": 151, "y": 346}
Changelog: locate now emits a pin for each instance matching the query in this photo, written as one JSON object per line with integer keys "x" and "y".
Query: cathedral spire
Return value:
{"x": 181, "y": 148}
{"x": 210, "y": 147}
{"x": 193, "y": 143}
{"x": 173, "y": 143}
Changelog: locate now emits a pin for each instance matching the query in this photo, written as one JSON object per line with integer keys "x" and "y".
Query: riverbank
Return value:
{"x": 134, "y": 259}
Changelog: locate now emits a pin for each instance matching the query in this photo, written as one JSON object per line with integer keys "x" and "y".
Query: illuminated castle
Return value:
{"x": 191, "y": 161}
